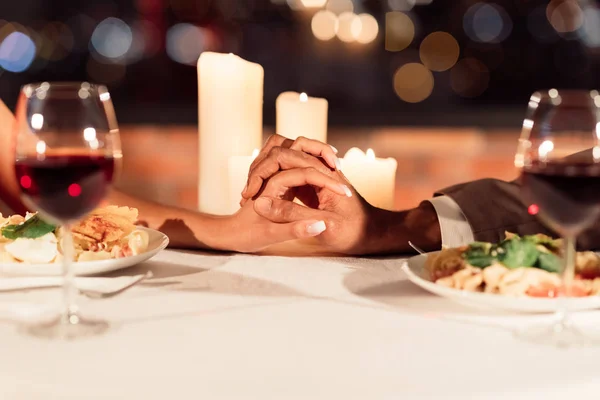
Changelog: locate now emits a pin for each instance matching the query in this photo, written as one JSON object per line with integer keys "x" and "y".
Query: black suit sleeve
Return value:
{"x": 493, "y": 207}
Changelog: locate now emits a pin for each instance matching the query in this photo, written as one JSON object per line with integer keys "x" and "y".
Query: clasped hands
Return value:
{"x": 307, "y": 170}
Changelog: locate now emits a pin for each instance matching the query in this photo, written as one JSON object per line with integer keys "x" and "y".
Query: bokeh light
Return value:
{"x": 399, "y": 31}
{"x": 439, "y": 51}
{"x": 324, "y": 25}
{"x": 185, "y": 43}
{"x": 365, "y": 28}
{"x": 401, "y": 5}
{"x": 112, "y": 38}
{"x": 339, "y": 7}
{"x": 345, "y": 32}
{"x": 565, "y": 15}
{"x": 313, "y": 3}
{"x": 487, "y": 23}
{"x": 590, "y": 32}
{"x": 469, "y": 77}
{"x": 413, "y": 82}
{"x": 17, "y": 52}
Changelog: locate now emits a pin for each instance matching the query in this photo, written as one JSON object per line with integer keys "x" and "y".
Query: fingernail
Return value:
{"x": 263, "y": 204}
{"x": 338, "y": 164}
{"x": 334, "y": 149}
{"x": 316, "y": 228}
{"x": 346, "y": 190}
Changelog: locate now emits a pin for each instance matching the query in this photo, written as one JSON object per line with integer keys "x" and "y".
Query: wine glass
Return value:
{"x": 67, "y": 150}
{"x": 559, "y": 159}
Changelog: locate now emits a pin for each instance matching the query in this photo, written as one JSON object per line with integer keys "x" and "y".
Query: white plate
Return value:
{"x": 157, "y": 242}
{"x": 415, "y": 270}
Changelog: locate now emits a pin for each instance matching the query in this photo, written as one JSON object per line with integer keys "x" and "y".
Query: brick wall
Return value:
{"x": 160, "y": 163}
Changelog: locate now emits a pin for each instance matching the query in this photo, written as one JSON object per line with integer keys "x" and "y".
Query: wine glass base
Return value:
{"x": 60, "y": 329}
{"x": 559, "y": 334}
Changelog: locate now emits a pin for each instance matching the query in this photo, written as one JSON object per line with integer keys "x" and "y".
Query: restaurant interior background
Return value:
{"x": 442, "y": 86}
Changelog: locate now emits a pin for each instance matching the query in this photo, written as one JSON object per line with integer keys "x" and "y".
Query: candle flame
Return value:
{"x": 255, "y": 153}
{"x": 370, "y": 155}
{"x": 303, "y": 97}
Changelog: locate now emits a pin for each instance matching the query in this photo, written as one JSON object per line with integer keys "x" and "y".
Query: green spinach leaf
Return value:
{"x": 517, "y": 253}
{"x": 549, "y": 262}
{"x": 480, "y": 254}
{"x": 33, "y": 228}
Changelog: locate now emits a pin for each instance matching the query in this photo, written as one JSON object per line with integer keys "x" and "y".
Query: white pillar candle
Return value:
{"x": 300, "y": 115}
{"x": 239, "y": 166}
{"x": 230, "y": 101}
{"x": 374, "y": 178}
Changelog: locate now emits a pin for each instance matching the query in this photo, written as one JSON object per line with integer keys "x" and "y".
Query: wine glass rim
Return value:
{"x": 75, "y": 85}
{"x": 554, "y": 92}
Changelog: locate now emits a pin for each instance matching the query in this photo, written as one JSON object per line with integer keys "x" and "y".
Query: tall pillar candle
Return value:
{"x": 230, "y": 102}
{"x": 374, "y": 178}
{"x": 300, "y": 115}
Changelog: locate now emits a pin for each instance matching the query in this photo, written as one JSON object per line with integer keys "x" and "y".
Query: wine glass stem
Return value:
{"x": 69, "y": 289}
{"x": 568, "y": 275}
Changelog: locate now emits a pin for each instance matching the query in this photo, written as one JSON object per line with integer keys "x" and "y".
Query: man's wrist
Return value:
{"x": 389, "y": 231}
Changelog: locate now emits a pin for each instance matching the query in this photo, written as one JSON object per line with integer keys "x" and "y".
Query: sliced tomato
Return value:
{"x": 552, "y": 291}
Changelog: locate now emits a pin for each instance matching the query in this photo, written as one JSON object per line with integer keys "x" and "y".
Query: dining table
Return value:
{"x": 289, "y": 323}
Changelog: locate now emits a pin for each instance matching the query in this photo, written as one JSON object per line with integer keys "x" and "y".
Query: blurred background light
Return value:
{"x": 469, "y": 77}
{"x": 185, "y": 43}
{"x": 399, "y": 31}
{"x": 313, "y": 3}
{"x": 346, "y": 21}
{"x": 439, "y": 51}
{"x": 365, "y": 28}
{"x": 564, "y": 15}
{"x": 339, "y": 7}
{"x": 413, "y": 82}
{"x": 324, "y": 25}
{"x": 112, "y": 38}
{"x": 401, "y": 5}
{"x": 590, "y": 31}
{"x": 487, "y": 23}
{"x": 17, "y": 52}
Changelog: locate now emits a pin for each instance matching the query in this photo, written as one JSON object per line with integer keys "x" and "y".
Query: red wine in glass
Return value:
{"x": 566, "y": 193}
{"x": 65, "y": 187}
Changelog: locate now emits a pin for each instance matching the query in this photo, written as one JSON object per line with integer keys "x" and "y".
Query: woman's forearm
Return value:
{"x": 186, "y": 229}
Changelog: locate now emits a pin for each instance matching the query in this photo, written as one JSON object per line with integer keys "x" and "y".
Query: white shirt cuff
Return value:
{"x": 454, "y": 226}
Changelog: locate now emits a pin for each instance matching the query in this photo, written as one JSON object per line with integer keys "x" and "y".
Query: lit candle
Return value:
{"x": 239, "y": 166}
{"x": 374, "y": 178}
{"x": 300, "y": 115}
{"x": 230, "y": 102}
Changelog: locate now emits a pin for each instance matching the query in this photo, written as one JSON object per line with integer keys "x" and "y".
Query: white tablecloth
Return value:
{"x": 221, "y": 326}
